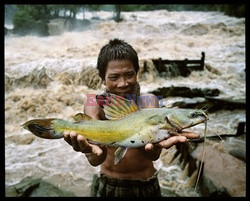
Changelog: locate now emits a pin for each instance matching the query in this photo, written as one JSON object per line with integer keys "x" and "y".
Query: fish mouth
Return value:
{"x": 194, "y": 124}
{"x": 179, "y": 128}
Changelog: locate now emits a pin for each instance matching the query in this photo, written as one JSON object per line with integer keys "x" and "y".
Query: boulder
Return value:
{"x": 223, "y": 170}
{"x": 185, "y": 91}
{"x": 33, "y": 187}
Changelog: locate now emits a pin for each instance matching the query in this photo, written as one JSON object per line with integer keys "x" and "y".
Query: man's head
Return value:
{"x": 116, "y": 50}
{"x": 118, "y": 66}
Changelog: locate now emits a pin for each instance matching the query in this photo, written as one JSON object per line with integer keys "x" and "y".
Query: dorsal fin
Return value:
{"x": 80, "y": 117}
{"x": 117, "y": 107}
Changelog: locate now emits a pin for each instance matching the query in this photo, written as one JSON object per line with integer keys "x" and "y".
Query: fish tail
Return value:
{"x": 43, "y": 128}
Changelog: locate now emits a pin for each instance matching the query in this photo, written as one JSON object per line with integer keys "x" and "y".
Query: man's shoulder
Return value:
{"x": 94, "y": 111}
{"x": 148, "y": 100}
{"x": 148, "y": 94}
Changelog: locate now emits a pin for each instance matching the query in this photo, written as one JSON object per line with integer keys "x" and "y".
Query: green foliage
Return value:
{"x": 31, "y": 19}
{"x": 73, "y": 9}
{"x": 23, "y": 21}
{"x": 237, "y": 10}
{"x": 34, "y": 17}
{"x": 138, "y": 7}
{"x": 94, "y": 7}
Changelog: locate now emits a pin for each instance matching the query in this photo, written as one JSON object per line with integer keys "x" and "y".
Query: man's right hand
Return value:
{"x": 81, "y": 145}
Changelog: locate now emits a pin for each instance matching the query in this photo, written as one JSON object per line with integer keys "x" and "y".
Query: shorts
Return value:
{"x": 105, "y": 186}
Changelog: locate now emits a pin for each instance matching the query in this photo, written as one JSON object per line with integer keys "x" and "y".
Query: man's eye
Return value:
{"x": 130, "y": 75}
{"x": 113, "y": 78}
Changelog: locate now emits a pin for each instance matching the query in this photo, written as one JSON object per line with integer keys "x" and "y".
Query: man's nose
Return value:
{"x": 122, "y": 83}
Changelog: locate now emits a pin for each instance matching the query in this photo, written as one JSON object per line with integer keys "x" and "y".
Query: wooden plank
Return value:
{"x": 185, "y": 66}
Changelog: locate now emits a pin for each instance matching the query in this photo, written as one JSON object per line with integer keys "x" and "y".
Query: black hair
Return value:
{"x": 116, "y": 49}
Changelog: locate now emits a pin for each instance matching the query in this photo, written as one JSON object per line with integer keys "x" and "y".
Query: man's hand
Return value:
{"x": 80, "y": 144}
{"x": 169, "y": 142}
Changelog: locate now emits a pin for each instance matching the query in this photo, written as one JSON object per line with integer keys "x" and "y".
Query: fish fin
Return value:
{"x": 81, "y": 117}
{"x": 154, "y": 120}
{"x": 119, "y": 154}
{"x": 171, "y": 118}
{"x": 117, "y": 107}
{"x": 42, "y": 128}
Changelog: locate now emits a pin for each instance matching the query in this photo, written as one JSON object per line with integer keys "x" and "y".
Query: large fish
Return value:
{"x": 128, "y": 126}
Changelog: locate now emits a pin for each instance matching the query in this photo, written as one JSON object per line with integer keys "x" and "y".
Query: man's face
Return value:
{"x": 120, "y": 77}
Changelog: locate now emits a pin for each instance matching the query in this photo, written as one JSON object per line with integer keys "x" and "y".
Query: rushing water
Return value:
{"x": 45, "y": 78}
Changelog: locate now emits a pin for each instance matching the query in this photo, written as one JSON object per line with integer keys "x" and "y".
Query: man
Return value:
{"x": 135, "y": 175}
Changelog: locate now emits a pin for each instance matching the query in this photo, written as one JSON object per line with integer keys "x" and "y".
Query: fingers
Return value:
{"x": 80, "y": 144}
{"x": 96, "y": 150}
{"x": 190, "y": 135}
{"x": 75, "y": 143}
{"x": 171, "y": 141}
{"x": 166, "y": 143}
{"x": 149, "y": 147}
{"x": 66, "y": 135}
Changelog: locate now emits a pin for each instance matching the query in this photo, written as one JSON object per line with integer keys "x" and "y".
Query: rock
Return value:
{"x": 208, "y": 189}
{"x": 239, "y": 153}
{"x": 223, "y": 170}
{"x": 32, "y": 187}
{"x": 226, "y": 104}
{"x": 199, "y": 98}
{"x": 185, "y": 92}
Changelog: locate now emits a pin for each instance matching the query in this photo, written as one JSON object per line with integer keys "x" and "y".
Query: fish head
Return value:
{"x": 180, "y": 119}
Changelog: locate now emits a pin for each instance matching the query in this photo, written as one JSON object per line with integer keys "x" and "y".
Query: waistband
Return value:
{"x": 128, "y": 182}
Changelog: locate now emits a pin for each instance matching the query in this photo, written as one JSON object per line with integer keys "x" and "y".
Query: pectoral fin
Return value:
{"x": 173, "y": 120}
{"x": 154, "y": 120}
{"x": 119, "y": 154}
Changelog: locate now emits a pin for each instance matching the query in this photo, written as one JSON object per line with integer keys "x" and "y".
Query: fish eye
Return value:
{"x": 193, "y": 114}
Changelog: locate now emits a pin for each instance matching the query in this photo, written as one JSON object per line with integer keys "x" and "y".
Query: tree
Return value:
{"x": 118, "y": 13}
{"x": 94, "y": 8}
{"x": 31, "y": 18}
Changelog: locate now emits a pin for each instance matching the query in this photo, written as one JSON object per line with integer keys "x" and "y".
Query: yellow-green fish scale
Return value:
{"x": 102, "y": 131}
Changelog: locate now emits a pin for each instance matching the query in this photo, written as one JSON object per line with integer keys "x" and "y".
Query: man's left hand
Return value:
{"x": 169, "y": 142}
